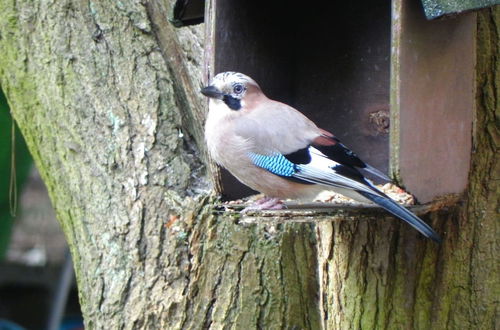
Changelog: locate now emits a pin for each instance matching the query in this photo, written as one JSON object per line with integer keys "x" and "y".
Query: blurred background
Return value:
{"x": 37, "y": 286}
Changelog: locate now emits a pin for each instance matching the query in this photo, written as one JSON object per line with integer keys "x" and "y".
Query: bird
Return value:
{"x": 276, "y": 150}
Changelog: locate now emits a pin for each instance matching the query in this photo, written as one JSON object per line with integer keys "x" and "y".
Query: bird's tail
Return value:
{"x": 376, "y": 172}
{"x": 402, "y": 213}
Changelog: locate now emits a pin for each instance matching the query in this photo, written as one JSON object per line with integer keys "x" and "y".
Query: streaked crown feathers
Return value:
{"x": 229, "y": 82}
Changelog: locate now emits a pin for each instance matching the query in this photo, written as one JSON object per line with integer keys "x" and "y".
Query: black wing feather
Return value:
{"x": 341, "y": 154}
{"x": 301, "y": 156}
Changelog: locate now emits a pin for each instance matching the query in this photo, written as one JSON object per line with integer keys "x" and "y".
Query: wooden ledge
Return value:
{"x": 317, "y": 212}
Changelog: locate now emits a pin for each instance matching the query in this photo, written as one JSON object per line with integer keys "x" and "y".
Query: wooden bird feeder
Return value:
{"x": 396, "y": 88}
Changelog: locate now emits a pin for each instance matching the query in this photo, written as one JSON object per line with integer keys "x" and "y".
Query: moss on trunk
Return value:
{"x": 104, "y": 94}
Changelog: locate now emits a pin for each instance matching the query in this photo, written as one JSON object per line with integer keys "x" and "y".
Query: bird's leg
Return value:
{"x": 262, "y": 200}
{"x": 273, "y": 204}
{"x": 265, "y": 203}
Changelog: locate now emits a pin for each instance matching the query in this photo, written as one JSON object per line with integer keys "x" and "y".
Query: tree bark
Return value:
{"x": 377, "y": 274}
{"x": 109, "y": 106}
{"x": 105, "y": 94}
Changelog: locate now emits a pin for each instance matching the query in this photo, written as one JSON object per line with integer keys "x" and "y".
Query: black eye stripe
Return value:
{"x": 232, "y": 102}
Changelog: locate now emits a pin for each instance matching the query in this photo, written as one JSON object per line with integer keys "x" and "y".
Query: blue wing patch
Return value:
{"x": 276, "y": 164}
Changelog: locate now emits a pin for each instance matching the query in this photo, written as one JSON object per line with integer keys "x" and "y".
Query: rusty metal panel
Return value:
{"x": 432, "y": 100}
{"x": 438, "y": 8}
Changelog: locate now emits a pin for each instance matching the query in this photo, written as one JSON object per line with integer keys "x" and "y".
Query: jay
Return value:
{"x": 273, "y": 148}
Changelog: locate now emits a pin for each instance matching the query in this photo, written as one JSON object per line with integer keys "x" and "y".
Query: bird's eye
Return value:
{"x": 238, "y": 88}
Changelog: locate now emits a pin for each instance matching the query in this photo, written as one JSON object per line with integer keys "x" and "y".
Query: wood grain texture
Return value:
{"x": 106, "y": 95}
{"x": 432, "y": 101}
{"x": 379, "y": 274}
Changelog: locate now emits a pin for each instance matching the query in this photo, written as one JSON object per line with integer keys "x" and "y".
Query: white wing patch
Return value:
{"x": 321, "y": 170}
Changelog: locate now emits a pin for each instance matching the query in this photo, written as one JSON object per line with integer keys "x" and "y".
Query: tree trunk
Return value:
{"x": 378, "y": 274}
{"x": 106, "y": 95}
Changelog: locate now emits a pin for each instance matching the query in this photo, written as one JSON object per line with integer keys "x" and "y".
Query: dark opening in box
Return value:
{"x": 395, "y": 88}
{"x": 330, "y": 61}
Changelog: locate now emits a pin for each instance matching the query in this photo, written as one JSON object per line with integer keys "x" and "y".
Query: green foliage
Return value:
{"x": 23, "y": 164}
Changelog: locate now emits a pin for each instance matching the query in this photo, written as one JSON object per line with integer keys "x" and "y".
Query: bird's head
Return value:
{"x": 231, "y": 88}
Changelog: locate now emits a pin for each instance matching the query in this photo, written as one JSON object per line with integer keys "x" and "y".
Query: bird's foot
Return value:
{"x": 265, "y": 203}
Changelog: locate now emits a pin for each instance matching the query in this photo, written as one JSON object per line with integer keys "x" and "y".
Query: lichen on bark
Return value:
{"x": 106, "y": 95}
{"x": 373, "y": 277}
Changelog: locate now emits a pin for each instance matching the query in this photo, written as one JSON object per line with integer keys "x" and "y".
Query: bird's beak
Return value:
{"x": 213, "y": 92}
